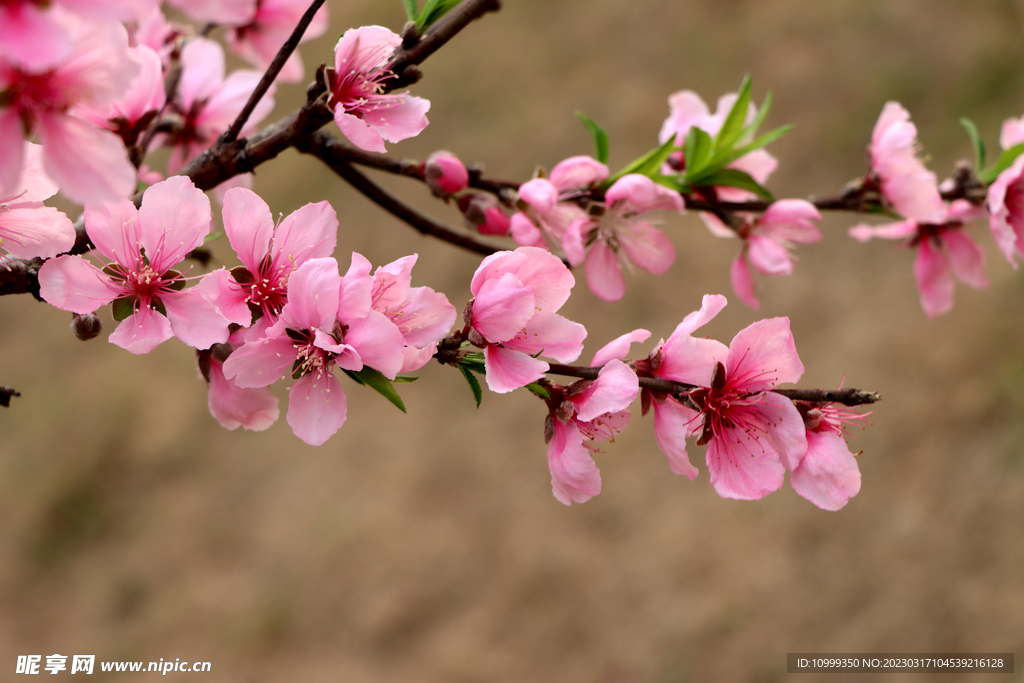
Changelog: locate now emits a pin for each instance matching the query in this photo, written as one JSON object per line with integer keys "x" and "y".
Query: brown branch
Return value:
{"x": 231, "y": 134}
{"x": 325, "y": 147}
{"x": 5, "y": 396}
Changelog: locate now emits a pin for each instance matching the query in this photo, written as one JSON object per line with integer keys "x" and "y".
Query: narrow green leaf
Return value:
{"x": 599, "y": 134}
{"x": 474, "y": 361}
{"x": 649, "y": 164}
{"x": 474, "y": 384}
{"x": 412, "y": 11}
{"x": 750, "y": 130}
{"x": 755, "y": 144}
{"x": 731, "y": 177}
{"x": 1004, "y": 162}
{"x": 976, "y": 141}
{"x": 730, "y": 131}
{"x": 405, "y": 379}
{"x": 379, "y": 383}
{"x": 433, "y": 11}
{"x": 213, "y": 236}
{"x": 539, "y": 390}
{"x": 698, "y": 150}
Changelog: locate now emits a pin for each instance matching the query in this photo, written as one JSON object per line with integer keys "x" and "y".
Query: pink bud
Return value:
{"x": 445, "y": 174}
{"x": 483, "y": 213}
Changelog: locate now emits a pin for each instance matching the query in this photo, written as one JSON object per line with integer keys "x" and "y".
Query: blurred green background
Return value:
{"x": 427, "y": 547}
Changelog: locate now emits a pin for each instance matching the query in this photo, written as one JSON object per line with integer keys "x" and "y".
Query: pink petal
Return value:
{"x": 426, "y": 318}
{"x": 142, "y": 331}
{"x": 740, "y": 469}
{"x": 249, "y": 226}
{"x": 647, "y": 247}
{"x": 413, "y": 359}
{"x": 1006, "y": 208}
{"x": 194, "y": 319}
{"x": 889, "y": 231}
{"x": 507, "y": 369}
{"x": 31, "y": 38}
{"x": 759, "y": 164}
{"x": 786, "y": 434}
{"x": 502, "y": 308}
{"x": 579, "y": 171}
{"x": 795, "y": 215}
{"x": 1012, "y": 133}
{"x": 260, "y": 363}
{"x": 933, "y": 280}
{"x": 525, "y": 233}
{"x": 552, "y": 335}
{"x": 966, "y": 258}
{"x": 317, "y": 407}
{"x": 356, "y": 297}
{"x": 763, "y": 355}
{"x": 540, "y": 193}
{"x": 364, "y": 48}
{"x": 73, "y": 284}
{"x": 234, "y": 407}
{"x": 227, "y": 296}
{"x": 614, "y": 389}
{"x": 378, "y": 342}
{"x": 643, "y": 194}
{"x": 768, "y": 256}
{"x": 574, "y": 240}
{"x": 619, "y": 347}
{"x": 743, "y": 281}
{"x": 31, "y": 230}
{"x": 12, "y": 141}
{"x": 406, "y": 117}
{"x": 33, "y": 185}
{"x": 574, "y": 476}
{"x": 358, "y": 132}
{"x": 114, "y": 228}
{"x": 604, "y": 273}
{"x": 672, "y": 423}
{"x": 223, "y": 107}
{"x": 710, "y": 306}
{"x": 688, "y": 110}
{"x": 175, "y": 217}
{"x": 88, "y": 163}
{"x": 313, "y": 294}
{"x": 311, "y": 231}
{"x": 828, "y": 475}
{"x": 690, "y": 360}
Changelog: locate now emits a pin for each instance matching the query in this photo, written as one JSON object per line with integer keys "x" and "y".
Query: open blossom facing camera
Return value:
{"x": 142, "y": 245}
{"x": 362, "y": 111}
{"x": 547, "y": 210}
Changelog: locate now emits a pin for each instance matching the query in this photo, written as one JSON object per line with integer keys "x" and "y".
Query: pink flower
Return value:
{"x": 753, "y": 435}
{"x": 586, "y": 411}
{"x": 224, "y": 12}
{"x": 269, "y": 254}
{"x": 904, "y": 181}
{"x": 27, "y": 228}
{"x": 328, "y": 322}
{"x": 941, "y": 248}
{"x": 209, "y": 102}
{"x": 445, "y": 174}
{"x": 366, "y": 117}
{"x": 546, "y": 216}
{"x": 767, "y": 243}
{"x": 89, "y": 164}
{"x": 1006, "y": 197}
{"x": 688, "y": 110}
{"x": 513, "y": 318}
{"x": 828, "y": 475}
{"x": 483, "y": 214}
{"x": 259, "y": 40}
{"x": 422, "y": 315}
{"x": 620, "y": 235}
{"x": 143, "y": 245}
{"x": 233, "y": 407}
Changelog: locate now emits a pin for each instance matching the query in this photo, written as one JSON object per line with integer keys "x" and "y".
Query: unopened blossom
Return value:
{"x": 902, "y": 178}
{"x": 260, "y": 38}
{"x": 828, "y": 474}
{"x": 255, "y": 409}
{"x": 590, "y": 411}
{"x": 767, "y": 242}
{"x": 622, "y": 234}
{"x": 445, "y": 174}
{"x": 753, "y": 434}
{"x": 942, "y": 248}
{"x": 688, "y": 110}
{"x": 364, "y": 113}
{"x": 484, "y": 214}
{"x": 88, "y": 163}
{"x": 547, "y": 207}
{"x": 28, "y": 228}
{"x": 513, "y": 316}
{"x": 270, "y": 252}
{"x": 1006, "y": 197}
{"x": 422, "y": 315}
{"x": 328, "y": 322}
{"x": 209, "y": 103}
{"x": 142, "y": 246}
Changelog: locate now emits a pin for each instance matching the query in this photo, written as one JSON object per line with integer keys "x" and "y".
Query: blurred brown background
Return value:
{"x": 428, "y": 547}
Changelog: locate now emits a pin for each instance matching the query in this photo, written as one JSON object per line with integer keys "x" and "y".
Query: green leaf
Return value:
{"x": 475, "y": 362}
{"x": 649, "y": 164}
{"x": 733, "y": 126}
{"x": 539, "y": 390}
{"x": 213, "y": 236}
{"x": 405, "y": 379}
{"x": 750, "y": 130}
{"x": 755, "y": 144}
{"x": 474, "y": 384}
{"x": 412, "y": 11}
{"x": 123, "y": 307}
{"x": 976, "y": 141}
{"x": 599, "y": 134}
{"x": 731, "y": 177}
{"x": 698, "y": 150}
{"x": 379, "y": 383}
{"x": 434, "y": 10}
{"x": 1004, "y": 162}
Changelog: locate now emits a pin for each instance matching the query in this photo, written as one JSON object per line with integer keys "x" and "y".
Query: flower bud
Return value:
{"x": 86, "y": 326}
{"x": 445, "y": 174}
{"x": 484, "y": 214}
